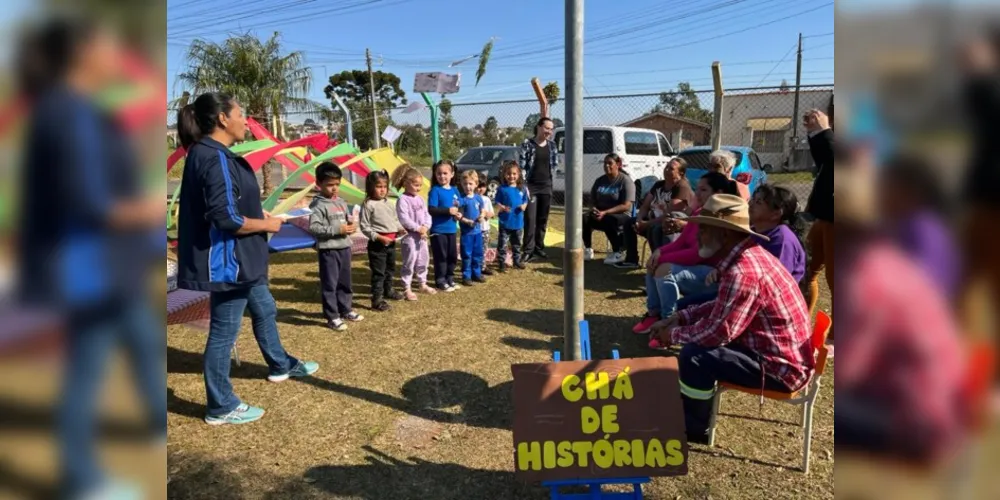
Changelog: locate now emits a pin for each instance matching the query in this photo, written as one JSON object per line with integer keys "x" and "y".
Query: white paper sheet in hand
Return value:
{"x": 294, "y": 214}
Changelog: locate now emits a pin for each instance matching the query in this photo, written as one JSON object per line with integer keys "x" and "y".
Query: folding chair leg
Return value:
{"x": 802, "y": 418}
{"x": 807, "y": 436}
{"x": 716, "y": 403}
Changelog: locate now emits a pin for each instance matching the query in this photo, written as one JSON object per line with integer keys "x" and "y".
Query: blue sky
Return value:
{"x": 635, "y": 46}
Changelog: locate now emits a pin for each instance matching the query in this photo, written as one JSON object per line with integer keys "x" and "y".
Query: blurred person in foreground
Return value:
{"x": 755, "y": 333}
{"x": 222, "y": 249}
{"x": 913, "y": 204}
{"x": 85, "y": 247}
{"x": 901, "y": 367}
{"x": 982, "y": 240}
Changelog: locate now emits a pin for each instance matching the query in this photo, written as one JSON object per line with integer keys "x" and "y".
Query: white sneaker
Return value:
{"x": 588, "y": 254}
{"x": 614, "y": 258}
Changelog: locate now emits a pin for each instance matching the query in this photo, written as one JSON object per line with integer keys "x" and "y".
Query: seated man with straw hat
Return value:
{"x": 756, "y": 333}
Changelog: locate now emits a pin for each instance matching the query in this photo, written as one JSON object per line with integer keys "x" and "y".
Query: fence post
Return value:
{"x": 573, "y": 249}
{"x": 435, "y": 138}
{"x": 717, "y": 114}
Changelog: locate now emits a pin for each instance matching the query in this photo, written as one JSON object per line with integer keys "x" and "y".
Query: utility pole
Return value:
{"x": 573, "y": 249}
{"x": 371, "y": 78}
{"x": 798, "y": 85}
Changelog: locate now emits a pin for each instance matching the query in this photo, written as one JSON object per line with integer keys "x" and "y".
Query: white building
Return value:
{"x": 764, "y": 122}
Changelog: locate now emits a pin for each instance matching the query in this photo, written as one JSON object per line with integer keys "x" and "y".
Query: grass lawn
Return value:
{"x": 415, "y": 403}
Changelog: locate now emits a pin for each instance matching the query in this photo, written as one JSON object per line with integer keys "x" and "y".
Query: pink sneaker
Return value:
{"x": 656, "y": 345}
{"x": 428, "y": 290}
{"x": 644, "y": 326}
{"x": 409, "y": 295}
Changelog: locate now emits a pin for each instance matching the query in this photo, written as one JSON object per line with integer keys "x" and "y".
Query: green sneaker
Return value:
{"x": 243, "y": 414}
{"x": 303, "y": 369}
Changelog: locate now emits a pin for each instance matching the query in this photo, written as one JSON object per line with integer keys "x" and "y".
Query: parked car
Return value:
{"x": 644, "y": 153}
{"x": 487, "y": 160}
{"x": 748, "y": 167}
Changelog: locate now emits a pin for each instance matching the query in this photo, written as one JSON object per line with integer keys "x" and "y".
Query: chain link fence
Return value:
{"x": 759, "y": 118}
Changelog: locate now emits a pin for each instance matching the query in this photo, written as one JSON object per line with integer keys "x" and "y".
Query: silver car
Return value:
{"x": 487, "y": 160}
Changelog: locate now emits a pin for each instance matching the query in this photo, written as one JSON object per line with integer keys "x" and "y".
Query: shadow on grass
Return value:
{"x": 385, "y": 476}
{"x": 532, "y": 344}
{"x": 21, "y": 418}
{"x": 423, "y": 396}
{"x": 22, "y": 486}
{"x": 733, "y": 456}
{"x": 606, "y": 332}
{"x": 381, "y": 477}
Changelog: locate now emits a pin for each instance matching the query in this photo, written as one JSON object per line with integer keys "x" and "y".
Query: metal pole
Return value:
{"x": 798, "y": 87}
{"x": 371, "y": 77}
{"x": 435, "y": 128}
{"x": 573, "y": 251}
{"x": 347, "y": 118}
{"x": 717, "y": 115}
{"x": 350, "y": 133}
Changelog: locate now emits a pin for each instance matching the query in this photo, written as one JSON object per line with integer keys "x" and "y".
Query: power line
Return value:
{"x": 790, "y": 49}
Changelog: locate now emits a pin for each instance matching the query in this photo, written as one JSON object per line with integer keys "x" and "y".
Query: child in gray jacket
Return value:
{"x": 330, "y": 223}
{"x": 381, "y": 226}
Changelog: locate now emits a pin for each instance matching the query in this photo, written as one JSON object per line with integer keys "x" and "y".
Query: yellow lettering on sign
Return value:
{"x": 565, "y": 449}
{"x": 604, "y": 454}
{"x": 598, "y": 386}
{"x": 638, "y": 453}
{"x": 529, "y": 456}
{"x": 622, "y": 456}
{"x": 549, "y": 454}
{"x": 674, "y": 455}
{"x": 654, "y": 454}
{"x": 582, "y": 450}
{"x": 609, "y": 417}
{"x": 623, "y": 385}
{"x": 590, "y": 420}
{"x": 570, "y": 388}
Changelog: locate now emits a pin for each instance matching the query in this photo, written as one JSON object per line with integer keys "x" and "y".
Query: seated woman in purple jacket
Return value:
{"x": 912, "y": 202}
{"x": 773, "y": 212}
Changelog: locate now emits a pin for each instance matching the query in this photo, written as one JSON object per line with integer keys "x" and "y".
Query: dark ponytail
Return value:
{"x": 721, "y": 184}
{"x": 779, "y": 198}
{"x": 48, "y": 52}
{"x": 201, "y": 117}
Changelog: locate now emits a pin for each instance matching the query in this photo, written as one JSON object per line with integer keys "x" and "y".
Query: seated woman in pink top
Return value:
{"x": 677, "y": 269}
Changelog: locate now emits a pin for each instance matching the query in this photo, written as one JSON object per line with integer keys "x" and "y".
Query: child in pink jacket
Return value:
{"x": 413, "y": 215}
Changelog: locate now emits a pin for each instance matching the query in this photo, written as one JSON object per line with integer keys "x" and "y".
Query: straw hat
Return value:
{"x": 729, "y": 212}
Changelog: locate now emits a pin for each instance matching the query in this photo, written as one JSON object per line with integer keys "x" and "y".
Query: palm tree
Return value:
{"x": 265, "y": 81}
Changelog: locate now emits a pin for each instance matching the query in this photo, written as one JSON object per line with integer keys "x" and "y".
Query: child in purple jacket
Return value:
{"x": 413, "y": 215}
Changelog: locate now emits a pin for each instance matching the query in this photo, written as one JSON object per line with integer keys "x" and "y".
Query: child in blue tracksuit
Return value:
{"x": 511, "y": 200}
{"x": 472, "y": 211}
{"x": 442, "y": 204}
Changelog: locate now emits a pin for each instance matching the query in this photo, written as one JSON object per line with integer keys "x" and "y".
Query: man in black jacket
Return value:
{"x": 820, "y": 205}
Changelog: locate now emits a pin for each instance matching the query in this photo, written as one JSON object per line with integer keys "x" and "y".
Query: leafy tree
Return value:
{"x": 491, "y": 131}
{"x": 264, "y": 79}
{"x": 551, "y": 92}
{"x": 684, "y": 103}
{"x": 355, "y": 88}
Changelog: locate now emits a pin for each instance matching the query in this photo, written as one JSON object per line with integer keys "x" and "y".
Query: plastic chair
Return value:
{"x": 805, "y": 396}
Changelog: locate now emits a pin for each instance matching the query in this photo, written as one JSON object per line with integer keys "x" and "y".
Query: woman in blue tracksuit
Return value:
{"x": 222, "y": 249}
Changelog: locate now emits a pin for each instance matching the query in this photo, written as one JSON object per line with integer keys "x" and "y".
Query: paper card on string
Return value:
{"x": 437, "y": 83}
{"x": 391, "y": 134}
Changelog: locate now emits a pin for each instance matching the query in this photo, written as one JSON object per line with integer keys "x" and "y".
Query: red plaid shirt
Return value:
{"x": 760, "y": 308}
{"x": 899, "y": 344}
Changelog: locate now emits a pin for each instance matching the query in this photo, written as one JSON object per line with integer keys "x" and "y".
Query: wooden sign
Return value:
{"x": 598, "y": 419}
